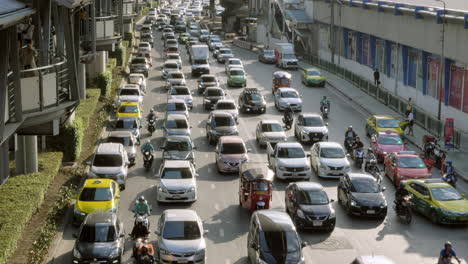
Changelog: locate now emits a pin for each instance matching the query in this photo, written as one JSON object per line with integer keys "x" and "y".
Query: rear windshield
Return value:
{"x": 129, "y": 92}
{"x": 215, "y": 92}
{"x": 107, "y": 160}
{"x": 139, "y": 61}
{"x": 172, "y": 49}
{"x": 175, "y": 76}
{"x": 171, "y": 66}
{"x": 126, "y": 124}
{"x": 98, "y": 233}
{"x": 200, "y": 62}
{"x": 208, "y": 79}
{"x": 226, "y": 106}
{"x": 178, "y": 123}
{"x": 134, "y": 79}
{"x": 176, "y": 107}
{"x": 220, "y": 121}
{"x": 95, "y": 195}
{"x": 237, "y": 72}
{"x": 180, "y": 91}
{"x": 126, "y": 141}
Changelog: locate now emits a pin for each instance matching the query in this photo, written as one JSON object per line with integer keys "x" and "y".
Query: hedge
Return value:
{"x": 118, "y": 55}
{"x": 73, "y": 134}
{"x": 103, "y": 81}
{"x": 128, "y": 36}
{"x": 21, "y": 197}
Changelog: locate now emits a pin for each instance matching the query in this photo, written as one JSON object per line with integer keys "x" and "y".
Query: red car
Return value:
{"x": 405, "y": 165}
{"x": 386, "y": 142}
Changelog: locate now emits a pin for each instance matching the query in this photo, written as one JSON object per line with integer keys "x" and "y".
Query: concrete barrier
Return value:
{"x": 243, "y": 44}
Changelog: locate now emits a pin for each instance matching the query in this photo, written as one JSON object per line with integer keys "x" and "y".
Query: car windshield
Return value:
{"x": 237, "y": 73}
{"x": 134, "y": 79}
{"x": 410, "y": 163}
{"x": 107, "y": 160}
{"x": 269, "y": 52}
{"x": 176, "y": 107}
{"x": 385, "y": 140}
{"x": 279, "y": 242}
{"x": 332, "y": 153}
{"x": 208, "y": 79}
{"x": 317, "y": 197}
{"x": 180, "y": 91}
{"x": 139, "y": 61}
{"x": 387, "y": 123}
{"x": 272, "y": 127}
{"x": 260, "y": 186}
{"x": 176, "y": 173}
{"x": 214, "y": 92}
{"x": 126, "y": 141}
{"x": 171, "y": 66}
{"x": 176, "y": 123}
{"x": 364, "y": 186}
{"x": 200, "y": 61}
{"x": 128, "y": 109}
{"x": 98, "y": 233}
{"x": 95, "y": 195}
{"x": 220, "y": 121}
{"x": 291, "y": 153}
{"x": 254, "y": 97}
{"x": 176, "y": 76}
{"x": 313, "y": 122}
{"x": 233, "y": 148}
{"x": 235, "y": 62}
{"x": 129, "y": 92}
{"x": 173, "y": 57}
{"x": 215, "y": 40}
{"x": 172, "y": 49}
{"x": 178, "y": 145}
{"x": 446, "y": 194}
{"x": 225, "y": 106}
{"x": 289, "y": 94}
{"x": 313, "y": 73}
{"x": 126, "y": 124}
{"x": 181, "y": 230}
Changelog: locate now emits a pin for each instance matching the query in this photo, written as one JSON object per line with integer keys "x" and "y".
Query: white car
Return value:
{"x": 176, "y": 107}
{"x": 288, "y": 96}
{"x": 174, "y": 57}
{"x": 144, "y": 47}
{"x": 269, "y": 131}
{"x": 329, "y": 160}
{"x": 233, "y": 62}
{"x": 168, "y": 67}
{"x": 183, "y": 93}
{"x": 138, "y": 79}
{"x": 130, "y": 93}
{"x": 227, "y": 105}
{"x": 177, "y": 182}
{"x": 310, "y": 128}
{"x": 289, "y": 160}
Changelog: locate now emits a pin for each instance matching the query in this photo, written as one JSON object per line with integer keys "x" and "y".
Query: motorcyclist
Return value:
{"x": 288, "y": 115}
{"x": 324, "y": 102}
{"x": 350, "y": 133}
{"x": 357, "y": 145}
{"x": 447, "y": 253}
{"x": 449, "y": 173}
{"x": 142, "y": 207}
{"x": 139, "y": 229}
{"x": 151, "y": 116}
{"x": 147, "y": 147}
{"x": 145, "y": 253}
{"x": 400, "y": 193}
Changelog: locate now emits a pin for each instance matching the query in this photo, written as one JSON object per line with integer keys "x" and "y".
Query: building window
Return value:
{"x": 456, "y": 86}
{"x": 433, "y": 72}
{"x": 413, "y": 61}
{"x": 366, "y": 51}
{"x": 380, "y": 55}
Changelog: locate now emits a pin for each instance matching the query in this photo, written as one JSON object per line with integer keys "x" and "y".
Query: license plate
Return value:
{"x": 371, "y": 211}
{"x": 182, "y": 261}
{"x": 317, "y": 223}
{"x": 315, "y": 138}
{"x": 94, "y": 262}
{"x": 176, "y": 196}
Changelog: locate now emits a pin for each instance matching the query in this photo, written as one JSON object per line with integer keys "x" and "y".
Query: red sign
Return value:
{"x": 449, "y": 132}
{"x": 433, "y": 74}
{"x": 456, "y": 86}
{"x": 465, "y": 93}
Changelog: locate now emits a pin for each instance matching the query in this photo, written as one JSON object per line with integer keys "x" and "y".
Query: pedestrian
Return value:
{"x": 409, "y": 106}
{"x": 410, "y": 119}
{"x": 28, "y": 57}
{"x": 26, "y": 31}
{"x": 376, "y": 77}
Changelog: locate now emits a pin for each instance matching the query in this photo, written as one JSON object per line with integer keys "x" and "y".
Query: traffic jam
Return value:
{"x": 291, "y": 153}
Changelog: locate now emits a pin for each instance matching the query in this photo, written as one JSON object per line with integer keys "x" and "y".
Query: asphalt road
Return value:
{"x": 217, "y": 202}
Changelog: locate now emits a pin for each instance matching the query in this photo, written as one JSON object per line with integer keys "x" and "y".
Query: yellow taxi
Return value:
{"x": 129, "y": 109}
{"x": 96, "y": 195}
{"x": 438, "y": 200}
{"x": 312, "y": 77}
{"x": 384, "y": 123}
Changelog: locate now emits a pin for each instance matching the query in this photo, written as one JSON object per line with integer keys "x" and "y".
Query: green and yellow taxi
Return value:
{"x": 236, "y": 77}
{"x": 96, "y": 195}
{"x": 438, "y": 200}
{"x": 384, "y": 123}
{"x": 312, "y": 77}
{"x": 129, "y": 109}
{"x": 183, "y": 37}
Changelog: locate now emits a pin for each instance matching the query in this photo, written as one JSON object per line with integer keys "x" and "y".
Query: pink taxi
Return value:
{"x": 386, "y": 142}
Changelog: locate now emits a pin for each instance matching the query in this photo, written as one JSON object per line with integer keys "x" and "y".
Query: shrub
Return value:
{"x": 72, "y": 135}
{"x": 21, "y": 197}
{"x": 128, "y": 36}
{"x": 103, "y": 81}
{"x": 118, "y": 55}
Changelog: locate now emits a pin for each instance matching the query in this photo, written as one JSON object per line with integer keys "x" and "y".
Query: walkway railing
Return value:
{"x": 106, "y": 27}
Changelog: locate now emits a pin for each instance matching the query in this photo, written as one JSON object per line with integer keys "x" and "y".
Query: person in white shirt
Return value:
{"x": 410, "y": 123}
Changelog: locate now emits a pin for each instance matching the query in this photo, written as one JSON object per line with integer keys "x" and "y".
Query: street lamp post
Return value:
{"x": 441, "y": 70}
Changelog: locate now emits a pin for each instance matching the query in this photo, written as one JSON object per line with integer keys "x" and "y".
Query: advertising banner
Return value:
{"x": 465, "y": 92}
{"x": 456, "y": 86}
{"x": 433, "y": 68}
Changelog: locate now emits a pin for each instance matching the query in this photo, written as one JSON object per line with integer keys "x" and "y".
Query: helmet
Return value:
{"x": 357, "y": 137}
{"x": 141, "y": 198}
{"x": 449, "y": 162}
{"x": 373, "y": 162}
{"x": 350, "y": 127}
{"x": 447, "y": 243}
{"x": 151, "y": 111}
{"x": 324, "y": 97}
{"x": 148, "y": 141}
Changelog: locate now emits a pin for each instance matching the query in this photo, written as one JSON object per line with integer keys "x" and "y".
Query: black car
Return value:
{"x": 207, "y": 80}
{"x": 266, "y": 56}
{"x": 147, "y": 37}
{"x": 273, "y": 239}
{"x": 309, "y": 207}
{"x": 251, "y": 100}
{"x": 180, "y": 27}
{"x": 100, "y": 239}
{"x": 360, "y": 194}
{"x": 211, "y": 97}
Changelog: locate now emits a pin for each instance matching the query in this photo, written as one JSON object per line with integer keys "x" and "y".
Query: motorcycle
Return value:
{"x": 137, "y": 251}
{"x": 151, "y": 126}
{"x": 325, "y": 111}
{"x": 349, "y": 144}
{"x": 372, "y": 169}
{"x": 147, "y": 160}
{"x": 450, "y": 179}
{"x": 358, "y": 158}
{"x": 288, "y": 122}
{"x": 403, "y": 210}
{"x": 144, "y": 218}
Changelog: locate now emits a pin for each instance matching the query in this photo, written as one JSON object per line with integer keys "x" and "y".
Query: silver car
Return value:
{"x": 233, "y": 62}
{"x": 168, "y": 67}
{"x": 139, "y": 79}
{"x": 175, "y": 79}
{"x": 177, "y": 182}
{"x": 227, "y": 105}
{"x": 128, "y": 123}
{"x": 127, "y": 139}
{"x": 176, "y": 107}
{"x": 181, "y": 92}
{"x": 176, "y": 125}
{"x": 110, "y": 161}
{"x": 269, "y": 131}
{"x": 310, "y": 128}
{"x": 180, "y": 237}
{"x": 288, "y": 96}
{"x": 174, "y": 57}
{"x": 329, "y": 160}
{"x": 178, "y": 148}
{"x": 129, "y": 93}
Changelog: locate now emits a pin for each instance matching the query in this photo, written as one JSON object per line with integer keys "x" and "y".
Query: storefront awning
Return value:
{"x": 12, "y": 12}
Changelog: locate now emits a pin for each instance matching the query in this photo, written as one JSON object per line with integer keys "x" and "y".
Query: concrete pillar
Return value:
{"x": 26, "y": 155}
{"x": 99, "y": 64}
{"x": 128, "y": 26}
{"x": 82, "y": 79}
{"x": 4, "y": 162}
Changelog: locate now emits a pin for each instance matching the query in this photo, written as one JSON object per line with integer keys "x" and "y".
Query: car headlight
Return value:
{"x": 445, "y": 211}
{"x": 192, "y": 189}
{"x": 322, "y": 167}
{"x": 162, "y": 189}
{"x": 78, "y": 212}
{"x": 383, "y": 204}
{"x": 76, "y": 253}
{"x": 347, "y": 168}
{"x": 115, "y": 253}
{"x": 353, "y": 203}
{"x": 306, "y": 167}
{"x": 164, "y": 251}
{"x": 200, "y": 252}
{"x": 332, "y": 213}
{"x": 300, "y": 213}
{"x": 282, "y": 168}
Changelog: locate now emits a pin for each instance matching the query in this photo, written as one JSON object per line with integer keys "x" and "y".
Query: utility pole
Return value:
{"x": 441, "y": 70}
{"x": 332, "y": 30}
{"x": 212, "y": 10}
{"x": 341, "y": 31}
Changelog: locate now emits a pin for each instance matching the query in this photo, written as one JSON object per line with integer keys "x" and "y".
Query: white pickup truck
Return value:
{"x": 289, "y": 160}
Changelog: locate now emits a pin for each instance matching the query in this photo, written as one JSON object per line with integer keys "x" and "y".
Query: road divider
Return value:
{"x": 243, "y": 44}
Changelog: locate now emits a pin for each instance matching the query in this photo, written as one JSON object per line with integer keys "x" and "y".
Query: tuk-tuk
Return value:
{"x": 281, "y": 79}
{"x": 255, "y": 185}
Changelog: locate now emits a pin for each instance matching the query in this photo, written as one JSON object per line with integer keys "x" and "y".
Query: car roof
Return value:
{"x": 125, "y": 118}
{"x": 288, "y": 144}
{"x": 226, "y": 101}
{"x": 231, "y": 139}
{"x": 176, "y": 163}
{"x": 130, "y": 87}
{"x": 388, "y": 133}
{"x": 430, "y": 182}
{"x": 208, "y": 75}
{"x": 324, "y": 144}
{"x": 136, "y": 75}
{"x": 383, "y": 117}
{"x": 306, "y": 115}
{"x": 97, "y": 183}
{"x": 176, "y": 116}
{"x": 120, "y": 134}
{"x": 353, "y": 175}
{"x": 308, "y": 185}
{"x": 271, "y": 220}
{"x": 100, "y": 218}
{"x": 180, "y": 215}
{"x": 214, "y": 88}
{"x": 174, "y": 101}
{"x": 406, "y": 153}
{"x": 234, "y": 59}
{"x": 129, "y": 104}
{"x": 270, "y": 121}
{"x": 171, "y": 62}
{"x": 178, "y": 138}
{"x": 220, "y": 113}
{"x": 287, "y": 89}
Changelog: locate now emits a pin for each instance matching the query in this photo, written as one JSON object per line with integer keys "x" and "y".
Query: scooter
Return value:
{"x": 372, "y": 169}
{"x": 349, "y": 144}
{"x": 288, "y": 122}
{"x": 358, "y": 158}
{"x": 404, "y": 210}
{"x": 325, "y": 111}
{"x": 450, "y": 179}
{"x": 147, "y": 160}
{"x": 151, "y": 126}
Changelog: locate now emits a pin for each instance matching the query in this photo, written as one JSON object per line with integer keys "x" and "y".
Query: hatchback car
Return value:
{"x": 177, "y": 182}
{"x": 269, "y": 131}
{"x": 220, "y": 124}
{"x": 227, "y": 105}
{"x": 251, "y": 100}
{"x": 176, "y": 107}
{"x": 207, "y": 80}
{"x": 310, "y": 128}
{"x": 129, "y": 109}
{"x": 360, "y": 194}
{"x": 180, "y": 237}
{"x": 230, "y": 153}
{"x": 178, "y": 148}
{"x": 405, "y": 165}
{"x": 128, "y": 140}
{"x": 175, "y": 57}
{"x": 129, "y": 93}
{"x": 309, "y": 206}
{"x": 211, "y": 97}
{"x": 169, "y": 67}
{"x": 312, "y": 77}
{"x": 176, "y": 125}
{"x": 130, "y": 124}
{"x": 139, "y": 65}
{"x": 236, "y": 77}
{"x": 266, "y": 56}
{"x": 183, "y": 93}
{"x": 110, "y": 161}
{"x": 233, "y": 62}
{"x": 138, "y": 79}
{"x": 329, "y": 160}
{"x": 386, "y": 142}
{"x": 175, "y": 79}
{"x": 100, "y": 239}
{"x": 96, "y": 195}
{"x": 287, "y": 96}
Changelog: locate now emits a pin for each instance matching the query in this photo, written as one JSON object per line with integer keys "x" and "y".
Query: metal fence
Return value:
{"x": 398, "y": 104}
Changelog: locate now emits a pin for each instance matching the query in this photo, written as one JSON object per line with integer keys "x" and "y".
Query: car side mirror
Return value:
{"x": 117, "y": 197}
{"x": 89, "y": 162}
{"x": 249, "y": 150}
{"x": 304, "y": 244}
{"x": 308, "y": 155}
{"x": 332, "y": 200}
{"x": 427, "y": 197}
{"x": 326, "y": 124}
{"x": 122, "y": 235}
{"x": 197, "y": 175}
{"x": 348, "y": 155}
{"x": 253, "y": 246}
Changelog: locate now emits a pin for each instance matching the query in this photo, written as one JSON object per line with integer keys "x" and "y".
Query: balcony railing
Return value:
{"x": 106, "y": 27}
{"x": 44, "y": 87}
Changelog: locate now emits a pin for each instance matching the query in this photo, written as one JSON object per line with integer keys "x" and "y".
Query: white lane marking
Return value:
{"x": 409, "y": 234}
{"x": 216, "y": 206}
{"x": 221, "y": 232}
{"x": 213, "y": 186}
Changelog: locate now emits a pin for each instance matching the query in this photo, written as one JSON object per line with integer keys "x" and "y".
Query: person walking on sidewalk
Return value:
{"x": 376, "y": 77}
{"x": 410, "y": 119}
{"x": 409, "y": 106}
